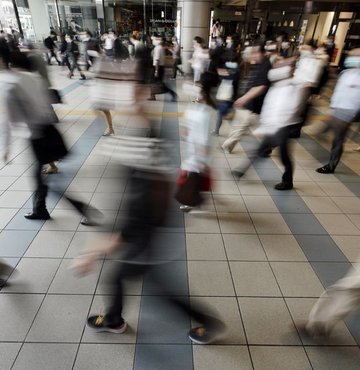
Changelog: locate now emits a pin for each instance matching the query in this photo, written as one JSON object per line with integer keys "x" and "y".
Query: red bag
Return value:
{"x": 206, "y": 182}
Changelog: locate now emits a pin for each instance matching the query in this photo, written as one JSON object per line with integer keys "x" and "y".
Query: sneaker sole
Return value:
{"x": 121, "y": 330}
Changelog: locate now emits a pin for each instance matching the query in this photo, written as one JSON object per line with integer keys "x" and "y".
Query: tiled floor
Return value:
{"x": 258, "y": 257}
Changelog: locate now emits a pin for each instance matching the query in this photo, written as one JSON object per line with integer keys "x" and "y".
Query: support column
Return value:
{"x": 40, "y": 18}
{"x": 195, "y": 21}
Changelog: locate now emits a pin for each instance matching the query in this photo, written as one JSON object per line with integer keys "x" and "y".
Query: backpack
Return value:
{"x": 48, "y": 42}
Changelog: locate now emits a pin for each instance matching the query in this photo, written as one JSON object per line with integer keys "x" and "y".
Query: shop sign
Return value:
{"x": 162, "y": 21}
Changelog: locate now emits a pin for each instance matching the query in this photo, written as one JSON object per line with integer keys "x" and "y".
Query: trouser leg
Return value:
{"x": 283, "y": 136}
{"x": 340, "y": 130}
{"x": 241, "y": 124}
{"x": 39, "y": 202}
{"x": 336, "y": 303}
{"x": 223, "y": 110}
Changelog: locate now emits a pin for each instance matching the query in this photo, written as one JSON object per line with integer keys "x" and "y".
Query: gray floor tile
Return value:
{"x": 162, "y": 322}
{"x": 34, "y": 356}
{"x": 111, "y": 186}
{"x": 243, "y": 247}
{"x": 18, "y": 312}
{"x": 84, "y": 184}
{"x": 107, "y": 222}
{"x": 50, "y": 244}
{"x": 202, "y": 223}
{"x": 297, "y": 279}
{"x": 60, "y": 319}
{"x": 320, "y": 248}
{"x": 279, "y": 358}
{"x": 300, "y": 309}
{"x": 236, "y": 223}
{"x": 221, "y": 357}
{"x": 204, "y": 247}
{"x": 290, "y": 204}
{"x": 257, "y": 203}
{"x": 227, "y": 310}
{"x": 329, "y": 358}
{"x": 130, "y": 313}
{"x": 225, "y": 187}
{"x": 83, "y": 241}
{"x": 254, "y": 279}
{"x": 304, "y": 224}
{"x": 161, "y": 357}
{"x": 6, "y": 214}
{"x": 105, "y": 356}
{"x": 33, "y": 275}
{"x": 229, "y": 203}
{"x": 15, "y": 243}
{"x": 335, "y": 189}
{"x": 330, "y": 272}
{"x": 66, "y": 280}
{"x": 267, "y": 321}
{"x": 63, "y": 203}
{"x": 64, "y": 220}
{"x": 270, "y": 223}
{"x": 6, "y": 182}
{"x": 19, "y": 222}
{"x": 14, "y": 199}
{"x": 201, "y": 272}
{"x": 91, "y": 171}
{"x": 8, "y": 353}
{"x": 282, "y": 248}
{"x": 251, "y": 187}
{"x": 321, "y": 205}
{"x": 349, "y": 245}
{"x": 108, "y": 201}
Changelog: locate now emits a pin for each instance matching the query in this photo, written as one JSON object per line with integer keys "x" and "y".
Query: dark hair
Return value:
{"x": 311, "y": 43}
{"x": 89, "y": 33}
{"x": 199, "y": 40}
{"x": 53, "y": 33}
{"x": 20, "y": 60}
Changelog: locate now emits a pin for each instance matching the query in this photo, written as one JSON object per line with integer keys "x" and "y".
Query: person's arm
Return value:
{"x": 253, "y": 93}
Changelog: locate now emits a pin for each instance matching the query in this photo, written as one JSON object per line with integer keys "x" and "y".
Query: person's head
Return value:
{"x": 53, "y": 34}
{"x": 219, "y": 41}
{"x": 69, "y": 38}
{"x": 232, "y": 41}
{"x": 353, "y": 59}
{"x": 257, "y": 53}
{"x": 307, "y": 50}
{"x": 218, "y": 22}
{"x": 198, "y": 42}
{"x": 282, "y": 70}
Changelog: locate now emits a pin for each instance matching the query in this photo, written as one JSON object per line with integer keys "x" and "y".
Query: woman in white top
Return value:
{"x": 200, "y": 58}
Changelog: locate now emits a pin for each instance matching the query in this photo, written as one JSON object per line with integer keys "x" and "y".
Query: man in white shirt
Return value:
{"x": 345, "y": 108}
{"x": 217, "y": 29}
{"x": 159, "y": 70}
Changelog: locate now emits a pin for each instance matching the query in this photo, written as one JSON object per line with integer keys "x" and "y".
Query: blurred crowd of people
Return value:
{"x": 268, "y": 92}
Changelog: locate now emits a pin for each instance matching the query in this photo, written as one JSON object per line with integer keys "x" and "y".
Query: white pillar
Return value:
{"x": 195, "y": 21}
{"x": 40, "y": 18}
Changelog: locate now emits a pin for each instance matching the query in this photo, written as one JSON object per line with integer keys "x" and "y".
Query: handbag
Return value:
{"x": 188, "y": 192}
{"x": 225, "y": 91}
{"x": 50, "y": 146}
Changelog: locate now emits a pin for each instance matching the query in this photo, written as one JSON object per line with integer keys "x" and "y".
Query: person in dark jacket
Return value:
{"x": 72, "y": 56}
{"x": 50, "y": 44}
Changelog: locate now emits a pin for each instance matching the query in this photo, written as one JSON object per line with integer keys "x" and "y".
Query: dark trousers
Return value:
{"x": 39, "y": 202}
{"x": 280, "y": 139}
{"x": 224, "y": 108}
{"x": 71, "y": 63}
{"x": 114, "y": 313}
{"x": 340, "y": 129}
{"x": 160, "y": 87}
{"x": 176, "y": 68}
{"x": 50, "y": 54}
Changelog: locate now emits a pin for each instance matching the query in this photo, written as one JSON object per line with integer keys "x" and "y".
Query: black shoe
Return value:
{"x": 2, "y": 283}
{"x": 325, "y": 169}
{"x": 174, "y": 98}
{"x": 284, "y": 186}
{"x": 43, "y": 215}
{"x": 82, "y": 77}
{"x": 99, "y": 323}
{"x": 237, "y": 174}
